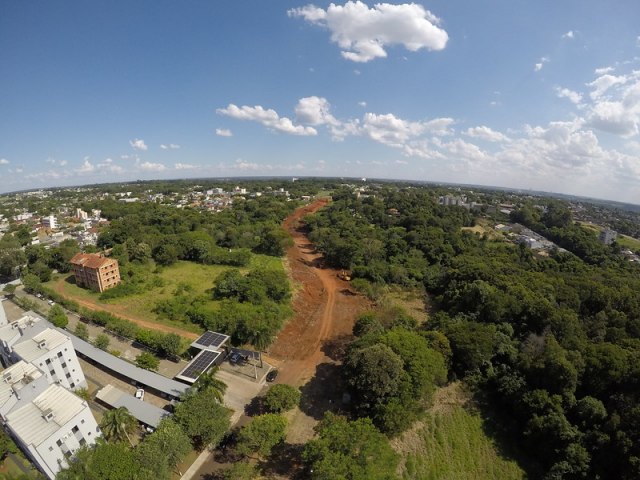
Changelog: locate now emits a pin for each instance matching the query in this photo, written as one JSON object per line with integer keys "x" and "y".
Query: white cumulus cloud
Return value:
{"x": 485, "y": 133}
{"x": 151, "y": 167}
{"x": 269, "y": 118}
{"x": 4, "y": 161}
{"x": 184, "y": 166}
{"x": 538, "y": 66}
{"x": 363, "y": 33}
{"x": 224, "y": 132}
{"x": 573, "y": 97}
{"x": 570, "y": 35}
{"x": 138, "y": 144}
{"x": 169, "y": 146}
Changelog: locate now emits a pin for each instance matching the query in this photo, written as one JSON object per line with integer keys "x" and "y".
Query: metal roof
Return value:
{"x": 122, "y": 367}
{"x": 31, "y": 348}
{"x": 29, "y": 423}
{"x": 198, "y": 365}
{"x": 143, "y": 411}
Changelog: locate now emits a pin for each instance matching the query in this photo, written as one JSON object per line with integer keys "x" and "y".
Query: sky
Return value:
{"x": 541, "y": 95}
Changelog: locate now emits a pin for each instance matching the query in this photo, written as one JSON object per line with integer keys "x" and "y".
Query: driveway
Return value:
{"x": 239, "y": 392}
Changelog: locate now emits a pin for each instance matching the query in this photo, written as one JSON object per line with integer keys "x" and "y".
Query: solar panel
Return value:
{"x": 199, "y": 365}
{"x": 212, "y": 339}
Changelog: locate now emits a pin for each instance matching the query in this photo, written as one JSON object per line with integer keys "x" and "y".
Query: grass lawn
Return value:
{"x": 450, "y": 443}
{"x": 9, "y": 467}
{"x": 624, "y": 241}
{"x": 200, "y": 279}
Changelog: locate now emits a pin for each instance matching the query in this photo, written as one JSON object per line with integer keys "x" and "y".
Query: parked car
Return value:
{"x": 140, "y": 394}
{"x": 271, "y": 376}
{"x": 238, "y": 358}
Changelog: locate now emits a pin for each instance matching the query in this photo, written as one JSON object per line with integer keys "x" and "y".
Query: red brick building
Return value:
{"x": 95, "y": 271}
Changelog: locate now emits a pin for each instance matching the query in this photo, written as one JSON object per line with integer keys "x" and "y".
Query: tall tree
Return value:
{"x": 118, "y": 424}
{"x": 207, "y": 382}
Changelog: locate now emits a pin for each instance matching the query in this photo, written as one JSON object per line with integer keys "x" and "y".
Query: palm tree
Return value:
{"x": 209, "y": 383}
{"x": 117, "y": 424}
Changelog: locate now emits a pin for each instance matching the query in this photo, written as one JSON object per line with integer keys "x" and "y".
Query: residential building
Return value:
{"x": 95, "y": 271}
{"x": 46, "y": 420}
{"x": 50, "y": 222}
{"x": 50, "y": 427}
{"x": 31, "y": 339}
{"x": 81, "y": 214}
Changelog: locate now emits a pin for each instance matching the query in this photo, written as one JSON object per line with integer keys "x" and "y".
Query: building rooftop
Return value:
{"x": 15, "y": 378}
{"x": 122, "y": 367}
{"x": 143, "y": 411}
{"x": 29, "y": 325}
{"x": 3, "y": 315}
{"x": 90, "y": 260}
{"x": 32, "y": 347}
{"x": 38, "y": 420}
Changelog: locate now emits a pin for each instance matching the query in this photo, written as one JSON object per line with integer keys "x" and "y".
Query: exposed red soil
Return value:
{"x": 325, "y": 307}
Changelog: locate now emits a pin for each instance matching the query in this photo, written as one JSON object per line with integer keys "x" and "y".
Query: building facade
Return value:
{"x": 95, "y": 271}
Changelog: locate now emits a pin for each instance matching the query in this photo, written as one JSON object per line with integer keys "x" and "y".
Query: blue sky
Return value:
{"x": 527, "y": 94}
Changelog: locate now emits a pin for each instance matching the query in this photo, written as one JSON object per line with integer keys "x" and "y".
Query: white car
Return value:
{"x": 140, "y": 394}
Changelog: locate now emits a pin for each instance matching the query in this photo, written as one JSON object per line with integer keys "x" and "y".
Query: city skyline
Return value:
{"x": 527, "y": 96}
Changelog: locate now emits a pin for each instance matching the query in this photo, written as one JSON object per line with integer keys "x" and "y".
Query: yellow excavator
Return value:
{"x": 344, "y": 275}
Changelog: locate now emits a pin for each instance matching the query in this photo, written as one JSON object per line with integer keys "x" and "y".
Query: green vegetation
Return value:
{"x": 57, "y": 316}
{"x": 281, "y": 398}
{"x": 549, "y": 341}
{"x": 203, "y": 419}
{"x": 118, "y": 425}
{"x": 261, "y": 435}
{"x": 454, "y": 445}
{"x": 349, "y": 450}
{"x": 148, "y": 361}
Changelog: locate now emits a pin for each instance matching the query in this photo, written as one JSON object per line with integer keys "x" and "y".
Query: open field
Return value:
{"x": 450, "y": 444}
{"x": 196, "y": 278}
{"x": 484, "y": 227}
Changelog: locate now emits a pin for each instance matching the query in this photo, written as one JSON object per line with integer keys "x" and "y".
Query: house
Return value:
{"x": 95, "y": 271}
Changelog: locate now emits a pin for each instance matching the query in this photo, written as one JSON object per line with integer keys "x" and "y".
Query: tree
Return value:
{"x": 240, "y": 471}
{"x": 82, "y": 331}
{"x": 207, "y": 382}
{"x": 281, "y": 398}
{"x": 203, "y": 419}
{"x": 117, "y": 424}
{"x": 171, "y": 345}
{"x": 163, "y": 450}
{"x": 101, "y": 341}
{"x": 262, "y": 434}
{"x": 57, "y": 316}
{"x": 148, "y": 361}
{"x": 9, "y": 288}
{"x": 6, "y": 445}
{"x": 105, "y": 461}
{"x": 375, "y": 373}
{"x": 350, "y": 451}
{"x": 31, "y": 282}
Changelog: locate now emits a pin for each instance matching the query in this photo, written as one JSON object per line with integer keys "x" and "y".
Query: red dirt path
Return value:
{"x": 121, "y": 312}
{"x": 325, "y": 307}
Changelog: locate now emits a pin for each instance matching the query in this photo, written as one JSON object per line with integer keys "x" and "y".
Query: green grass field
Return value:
{"x": 451, "y": 444}
{"x": 624, "y": 241}
{"x": 200, "y": 279}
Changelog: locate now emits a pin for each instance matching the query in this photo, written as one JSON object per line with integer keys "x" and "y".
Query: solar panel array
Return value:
{"x": 212, "y": 339}
{"x": 199, "y": 365}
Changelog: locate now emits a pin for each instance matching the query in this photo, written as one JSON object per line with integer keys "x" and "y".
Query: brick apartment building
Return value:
{"x": 95, "y": 271}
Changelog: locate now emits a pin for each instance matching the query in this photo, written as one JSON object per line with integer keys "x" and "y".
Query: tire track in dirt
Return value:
{"x": 325, "y": 308}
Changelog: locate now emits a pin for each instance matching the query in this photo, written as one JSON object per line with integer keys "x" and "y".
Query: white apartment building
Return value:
{"x": 51, "y": 426}
{"x": 50, "y": 222}
{"x": 81, "y": 214}
{"x": 32, "y": 340}
{"x": 47, "y": 421}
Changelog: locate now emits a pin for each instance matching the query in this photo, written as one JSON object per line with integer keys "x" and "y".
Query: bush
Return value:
{"x": 148, "y": 361}
{"x": 281, "y": 398}
{"x": 101, "y": 342}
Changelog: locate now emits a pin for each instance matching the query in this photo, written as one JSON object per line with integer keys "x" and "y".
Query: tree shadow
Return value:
{"x": 285, "y": 460}
{"x": 336, "y": 348}
{"x": 71, "y": 280}
{"x": 503, "y": 430}
{"x": 323, "y": 393}
{"x": 255, "y": 407}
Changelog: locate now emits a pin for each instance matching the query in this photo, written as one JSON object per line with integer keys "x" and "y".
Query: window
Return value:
{"x": 68, "y": 375}
{"x": 82, "y": 421}
{"x": 59, "y": 354}
{"x": 64, "y": 364}
{"x": 52, "y": 372}
{"x": 59, "y": 442}
{"x": 75, "y": 429}
{"x": 82, "y": 441}
{"x": 51, "y": 449}
{"x": 48, "y": 361}
{"x": 71, "y": 385}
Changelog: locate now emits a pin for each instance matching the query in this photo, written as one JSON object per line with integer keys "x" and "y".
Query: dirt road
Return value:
{"x": 325, "y": 307}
